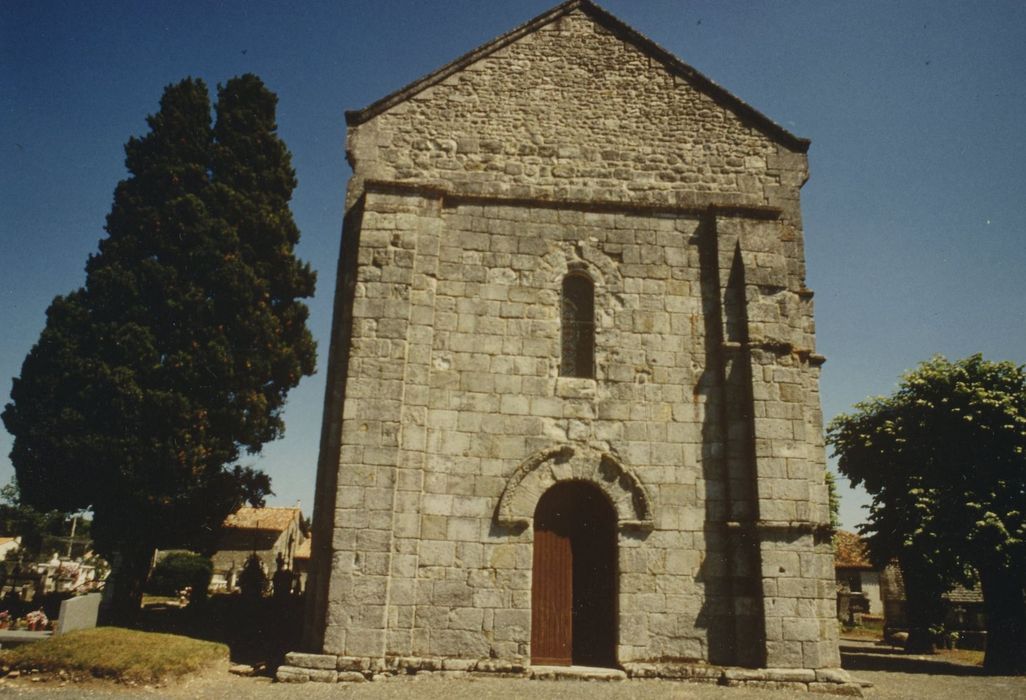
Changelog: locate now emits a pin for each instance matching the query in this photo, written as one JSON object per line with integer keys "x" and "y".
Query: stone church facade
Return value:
{"x": 572, "y": 413}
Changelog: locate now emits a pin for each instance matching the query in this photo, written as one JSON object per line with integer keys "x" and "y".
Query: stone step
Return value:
{"x": 580, "y": 673}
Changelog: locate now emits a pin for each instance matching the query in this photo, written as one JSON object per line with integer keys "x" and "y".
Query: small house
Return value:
{"x": 858, "y": 581}
{"x": 963, "y": 609}
{"x": 269, "y": 533}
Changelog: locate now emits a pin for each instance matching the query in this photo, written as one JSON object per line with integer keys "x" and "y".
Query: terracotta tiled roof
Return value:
{"x": 247, "y": 518}
{"x": 5, "y": 540}
{"x": 850, "y": 551}
{"x": 961, "y": 594}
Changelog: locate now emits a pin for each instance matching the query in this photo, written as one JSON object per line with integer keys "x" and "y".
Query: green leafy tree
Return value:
{"x": 177, "y": 354}
{"x": 944, "y": 459}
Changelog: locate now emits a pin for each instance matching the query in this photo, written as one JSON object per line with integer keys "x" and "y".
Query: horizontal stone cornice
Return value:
{"x": 779, "y": 349}
{"x": 449, "y": 197}
{"x": 795, "y": 526}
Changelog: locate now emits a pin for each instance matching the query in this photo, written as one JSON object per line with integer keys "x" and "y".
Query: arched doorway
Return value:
{"x": 574, "y": 586}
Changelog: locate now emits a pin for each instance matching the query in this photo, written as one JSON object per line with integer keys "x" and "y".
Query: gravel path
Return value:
{"x": 886, "y": 686}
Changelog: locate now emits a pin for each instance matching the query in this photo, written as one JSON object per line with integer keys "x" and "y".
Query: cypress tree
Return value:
{"x": 177, "y": 354}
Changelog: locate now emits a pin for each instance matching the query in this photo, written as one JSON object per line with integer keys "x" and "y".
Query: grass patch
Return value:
{"x": 117, "y": 654}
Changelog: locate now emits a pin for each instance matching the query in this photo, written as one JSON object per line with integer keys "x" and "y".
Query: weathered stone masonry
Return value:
{"x": 572, "y": 144}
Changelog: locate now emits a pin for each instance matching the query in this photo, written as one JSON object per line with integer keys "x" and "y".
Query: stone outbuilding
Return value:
{"x": 964, "y": 613}
{"x": 273, "y": 535}
{"x": 858, "y": 581}
{"x": 572, "y": 413}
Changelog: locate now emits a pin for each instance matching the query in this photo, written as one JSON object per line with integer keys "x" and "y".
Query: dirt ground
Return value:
{"x": 886, "y": 685}
{"x": 887, "y": 674}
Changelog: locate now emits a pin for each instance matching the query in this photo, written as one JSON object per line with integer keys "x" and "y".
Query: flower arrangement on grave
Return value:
{"x": 36, "y": 620}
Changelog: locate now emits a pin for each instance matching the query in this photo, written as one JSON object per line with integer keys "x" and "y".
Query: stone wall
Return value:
{"x": 568, "y": 146}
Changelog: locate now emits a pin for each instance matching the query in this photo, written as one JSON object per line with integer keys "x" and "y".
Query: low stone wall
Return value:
{"x": 328, "y": 668}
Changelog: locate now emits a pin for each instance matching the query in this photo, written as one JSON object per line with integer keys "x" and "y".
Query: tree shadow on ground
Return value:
{"x": 257, "y": 632}
{"x": 858, "y": 658}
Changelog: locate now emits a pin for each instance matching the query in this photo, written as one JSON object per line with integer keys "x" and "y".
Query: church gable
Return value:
{"x": 575, "y": 105}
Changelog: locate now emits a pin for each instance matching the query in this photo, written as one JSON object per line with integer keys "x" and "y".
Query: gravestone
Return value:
{"x": 78, "y": 613}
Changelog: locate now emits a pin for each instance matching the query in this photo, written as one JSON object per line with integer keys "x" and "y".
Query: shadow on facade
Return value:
{"x": 732, "y": 610}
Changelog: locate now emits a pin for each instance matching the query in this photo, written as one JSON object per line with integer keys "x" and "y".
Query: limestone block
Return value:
{"x": 365, "y": 642}
{"x": 767, "y": 685}
{"x": 431, "y": 617}
{"x": 845, "y": 689}
{"x": 403, "y": 591}
{"x": 311, "y": 661}
{"x": 458, "y": 665}
{"x": 823, "y": 651}
{"x": 784, "y": 654}
{"x": 458, "y": 643}
{"x": 292, "y": 674}
{"x": 462, "y": 529}
{"x": 776, "y": 564}
{"x": 794, "y": 675}
{"x": 512, "y": 624}
{"x": 322, "y": 676}
{"x": 781, "y": 607}
{"x": 799, "y": 587}
{"x": 452, "y": 594}
{"x": 778, "y": 510}
{"x": 578, "y": 673}
{"x": 469, "y": 619}
{"x": 833, "y": 675}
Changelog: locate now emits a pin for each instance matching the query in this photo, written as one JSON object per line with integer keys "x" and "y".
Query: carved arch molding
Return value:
{"x": 545, "y": 468}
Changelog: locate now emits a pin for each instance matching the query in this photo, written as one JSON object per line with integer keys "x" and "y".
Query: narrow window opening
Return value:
{"x": 578, "y": 319}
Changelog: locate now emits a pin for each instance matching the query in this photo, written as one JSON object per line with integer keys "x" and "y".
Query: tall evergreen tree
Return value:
{"x": 147, "y": 383}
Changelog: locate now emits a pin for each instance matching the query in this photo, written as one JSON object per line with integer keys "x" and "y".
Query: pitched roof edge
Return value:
{"x": 262, "y": 519}
{"x": 358, "y": 116}
{"x": 698, "y": 80}
{"x": 618, "y": 27}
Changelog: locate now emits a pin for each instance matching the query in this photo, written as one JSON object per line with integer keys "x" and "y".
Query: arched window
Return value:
{"x": 578, "y": 317}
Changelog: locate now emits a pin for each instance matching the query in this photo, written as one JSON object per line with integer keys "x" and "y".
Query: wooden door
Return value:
{"x": 552, "y": 589}
{"x": 573, "y": 595}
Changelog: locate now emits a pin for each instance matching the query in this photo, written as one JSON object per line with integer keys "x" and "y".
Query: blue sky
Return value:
{"x": 915, "y": 213}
